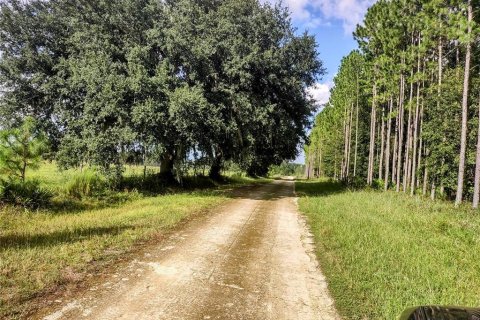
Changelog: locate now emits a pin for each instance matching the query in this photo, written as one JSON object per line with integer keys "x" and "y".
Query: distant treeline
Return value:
{"x": 288, "y": 169}
{"x": 405, "y": 107}
{"x": 158, "y": 81}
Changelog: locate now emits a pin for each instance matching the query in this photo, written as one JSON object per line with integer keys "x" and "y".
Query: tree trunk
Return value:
{"x": 345, "y": 143}
{"x": 349, "y": 153}
{"x": 420, "y": 147}
{"x": 387, "y": 149}
{"x": 395, "y": 146}
{"x": 476, "y": 192}
{"x": 371, "y": 157}
{"x": 216, "y": 168}
{"x": 406, "y": 170}
{"x": 463, "y": 138}
{"x": 415, "y": 134}
{"x": 356, "y": 135}
{"x": 425, "y": 181}
{"x": 400, "y": 132}
{"x": 166, "y": 165}
{"x": 382, "y": 147}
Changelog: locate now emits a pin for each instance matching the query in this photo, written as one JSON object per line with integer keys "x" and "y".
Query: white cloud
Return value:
{"x": 350, "y": 12}
{"x": 320, "y": 92}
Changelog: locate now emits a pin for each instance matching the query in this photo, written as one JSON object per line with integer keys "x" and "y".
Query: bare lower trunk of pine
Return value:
{"x": 356, "y": 133}
{"x": 395, "y": 147}
{"x": 406, "y": 170}
{"x": 415, "y": 139}
{"x": 400, "y": 133}
{"x": 420, "y": 147}
{"x": 387, "y": 148}
{"x": 349, "y": 153}
{"x": 345, "y": 144}
{"x": 425, "y": 181}
{"x": 463, "y": 138}
{"x": 476, "y": 191}
{"x": 371, "y": 157}
{"x": 377, "y": 150}
{"x": 382, "y": 147}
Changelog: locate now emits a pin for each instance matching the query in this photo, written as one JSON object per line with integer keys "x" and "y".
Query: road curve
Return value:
{"x": 252, "y": 258}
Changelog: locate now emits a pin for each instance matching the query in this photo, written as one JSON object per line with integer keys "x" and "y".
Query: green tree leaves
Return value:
{"x": 225, "y": 80}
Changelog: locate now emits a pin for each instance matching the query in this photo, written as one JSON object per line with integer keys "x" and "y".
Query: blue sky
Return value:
{"x": 332, "y": 22}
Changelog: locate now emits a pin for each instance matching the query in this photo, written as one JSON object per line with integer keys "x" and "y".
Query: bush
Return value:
{"x": 27, "y": 194}
{"x": 358, "y": 183}
{"x": 86, "y": 184}
{"x": 378, "y": 184}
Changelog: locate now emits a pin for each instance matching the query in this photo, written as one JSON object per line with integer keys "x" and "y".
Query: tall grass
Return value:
{"x": 383, "y": 252}
{"x": 85, "y": 184}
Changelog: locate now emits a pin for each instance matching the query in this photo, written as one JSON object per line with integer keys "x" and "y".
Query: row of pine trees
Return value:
{"x": 404, "y": 111}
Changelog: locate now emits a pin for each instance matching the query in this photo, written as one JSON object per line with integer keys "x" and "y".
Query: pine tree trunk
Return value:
{"x": 463, "y": 138}
{"x": 345, "y": 144}
{"x": 377, "y": 143}
{"x": 387, "y": 148}
{"x": 425, "y": 179}
{"x": 400, "y": 133}
{"x": 395, "y": 146}
{"x": 356, "y": 134}
{"x": 409, "y": 139}
{"x": 382, "y": 147}
{"x": 349, "y": 153}
{"x": 476, "y": 192}
{"x": 420, "y": 147}
{"x": 371, "y": 157}
{"x": 415, "y": 134}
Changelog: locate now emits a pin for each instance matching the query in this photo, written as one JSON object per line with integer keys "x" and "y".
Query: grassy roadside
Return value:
{"x": 384, "y": 252}
{"x": 42, "y": 249}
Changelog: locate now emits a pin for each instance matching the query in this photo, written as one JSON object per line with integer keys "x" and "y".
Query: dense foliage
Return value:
{"x": 162, "y": 82}
{"x": 404, "y": 110}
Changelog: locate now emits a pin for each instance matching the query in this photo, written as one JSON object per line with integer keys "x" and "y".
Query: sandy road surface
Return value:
{"x": 251, "y": 259}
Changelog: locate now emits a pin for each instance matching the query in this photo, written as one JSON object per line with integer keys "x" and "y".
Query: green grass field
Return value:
{"x": 384, "y": 252}
{"x": 41, "y": 249}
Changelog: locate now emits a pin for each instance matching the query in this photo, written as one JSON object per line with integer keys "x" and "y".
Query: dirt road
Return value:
{"x": 250, "y": 259}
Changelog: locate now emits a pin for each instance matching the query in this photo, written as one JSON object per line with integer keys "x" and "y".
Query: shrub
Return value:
{"x": 28, "y": 194}
{"x": 358, "y": 183}
{"x": 378, "y": 184}
{"x": 86, "y": 184}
